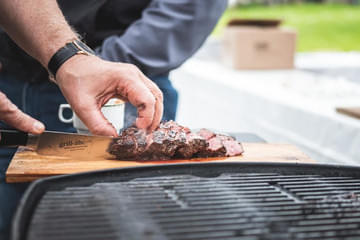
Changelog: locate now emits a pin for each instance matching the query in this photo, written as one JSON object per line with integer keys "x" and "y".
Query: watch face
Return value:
{"x": 82, "y": 46}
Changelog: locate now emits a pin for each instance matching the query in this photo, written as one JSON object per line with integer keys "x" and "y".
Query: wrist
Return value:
{"x": 73, "y": 69}
{"x": 58, "y": 41}
{"x": 65, "y": 53}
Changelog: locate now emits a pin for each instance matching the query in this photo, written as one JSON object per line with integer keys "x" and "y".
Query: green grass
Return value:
{"x": 325, "y": 27}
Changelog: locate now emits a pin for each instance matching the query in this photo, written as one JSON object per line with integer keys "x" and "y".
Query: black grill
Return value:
{"x": 196, "y": 201}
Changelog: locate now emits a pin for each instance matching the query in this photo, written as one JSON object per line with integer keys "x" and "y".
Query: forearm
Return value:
{"x": 87, "y": 82}
{"x": 37, "y": 26}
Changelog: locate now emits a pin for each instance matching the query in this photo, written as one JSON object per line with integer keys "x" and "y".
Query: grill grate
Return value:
{"x": 241, "y": 206}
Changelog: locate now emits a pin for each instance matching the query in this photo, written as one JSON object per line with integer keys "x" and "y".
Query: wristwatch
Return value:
{"x": 63, "y": 54}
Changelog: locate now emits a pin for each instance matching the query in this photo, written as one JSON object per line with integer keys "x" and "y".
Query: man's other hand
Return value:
{"x": 88, "y": 82}
{"x": 11, "y": 115}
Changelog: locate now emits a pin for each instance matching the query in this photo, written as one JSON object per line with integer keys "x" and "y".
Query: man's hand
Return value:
{"x": 88, "y": 82}
{"x": 11, "y": 115}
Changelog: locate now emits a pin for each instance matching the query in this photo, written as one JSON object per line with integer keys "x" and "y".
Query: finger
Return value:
{"x": 140, "y": 96}
{"x": 12, "y": 116}
{"x": 93, "y": 118}
{"x": 159, "y": 106}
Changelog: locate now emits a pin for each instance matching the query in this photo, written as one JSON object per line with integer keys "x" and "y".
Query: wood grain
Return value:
{"x": 28, "y": 166}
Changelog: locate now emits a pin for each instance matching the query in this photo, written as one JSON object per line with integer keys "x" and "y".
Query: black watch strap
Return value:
{"x": 66, "y": 52}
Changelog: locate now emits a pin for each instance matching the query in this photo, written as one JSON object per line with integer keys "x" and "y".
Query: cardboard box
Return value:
{"x": 258, "y": 44}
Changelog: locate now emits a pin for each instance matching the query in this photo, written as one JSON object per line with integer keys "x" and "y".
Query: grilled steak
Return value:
{"x": 164, "y": 141}
{"x": 171, "y": 140}
{"x": 219, "y": 145}
{"x": 231, "y": 146}
{"x": 215, "y": 148}
{"x": 130, "y": 144}
{"x": 194, "y": 144}
{"x": 206, "y": 133}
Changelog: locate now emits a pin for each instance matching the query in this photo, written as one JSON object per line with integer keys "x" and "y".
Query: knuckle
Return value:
{"x": 146, "y": 105}
{"x": 159, "y": 95}
{"x": 130, "y": 68}
{"x": 6, "y": 106}
{"x": 100, "y": 129}
{"x": 17, "y": 117}
{"x": 97, "y": 129}
{"x": 3, "y": 100}
{"x": 151, "y": 100}
{"x": 134, "y": 70}
{"x": 12, "y": 108}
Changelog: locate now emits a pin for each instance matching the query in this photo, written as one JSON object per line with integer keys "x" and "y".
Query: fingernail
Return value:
{"x": 38, "y": 127}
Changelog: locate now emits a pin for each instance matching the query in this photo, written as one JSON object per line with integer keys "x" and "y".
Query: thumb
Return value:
{"x": 93, "y": 118}
{"x": 12, "y": 116}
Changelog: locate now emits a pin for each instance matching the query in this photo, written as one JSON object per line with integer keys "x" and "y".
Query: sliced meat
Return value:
{"x": 171, "y": 140}
{"x": 221, "y": 145}
{"x": 194, "y": 144}
{"x": 141, "y": 139}
{"x": 165, "y": 141}
{"x": 206, "y": 133}
{"x": 131, "y": 143}
{"x": 122, "y": 147}
{"x": 214, "y": 149}
{"x": 233, "y": 148}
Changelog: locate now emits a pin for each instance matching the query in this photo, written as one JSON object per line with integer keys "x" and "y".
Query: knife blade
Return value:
{"x": 59, "y": 143}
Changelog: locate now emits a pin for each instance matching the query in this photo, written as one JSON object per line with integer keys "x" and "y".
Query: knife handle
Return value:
{"x": 13, "y": 138}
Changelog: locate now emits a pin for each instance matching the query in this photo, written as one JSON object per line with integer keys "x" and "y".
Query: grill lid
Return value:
{"x": 195, "y": 201}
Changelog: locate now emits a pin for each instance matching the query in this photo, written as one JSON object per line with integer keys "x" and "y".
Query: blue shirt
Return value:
{"x": 168, "y": 33}
{"x": 157, "y": 36}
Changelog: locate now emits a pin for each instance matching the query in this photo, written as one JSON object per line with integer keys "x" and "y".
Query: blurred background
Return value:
{"x": 329, "y": 25}
{"x": 287, "y": 71}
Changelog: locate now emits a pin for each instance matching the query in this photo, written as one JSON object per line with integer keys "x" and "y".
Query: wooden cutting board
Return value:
{"x": 27, "y": 165}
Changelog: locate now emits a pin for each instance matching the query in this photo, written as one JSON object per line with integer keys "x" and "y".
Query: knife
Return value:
{"x": 58, "y": 143}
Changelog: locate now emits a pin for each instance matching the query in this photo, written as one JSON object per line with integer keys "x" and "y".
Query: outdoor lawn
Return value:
{"x": 321, "y": 27}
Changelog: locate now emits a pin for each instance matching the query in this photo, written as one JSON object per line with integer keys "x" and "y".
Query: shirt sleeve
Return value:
{"x": 168, "y": 33}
